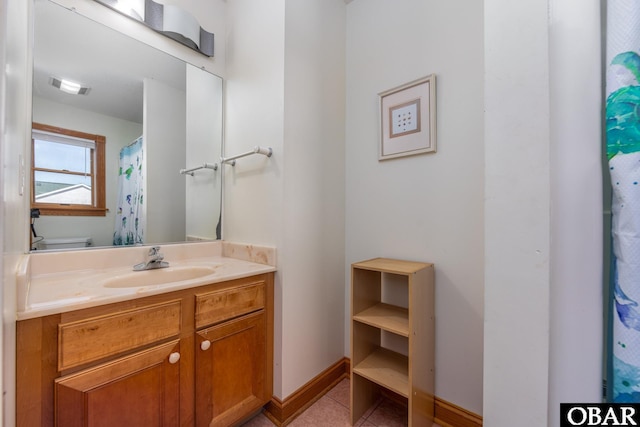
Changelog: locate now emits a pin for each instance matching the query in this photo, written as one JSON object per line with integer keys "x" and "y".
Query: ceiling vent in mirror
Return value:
{"x": 169, "y": 20}
{"x": 68, "y": 86}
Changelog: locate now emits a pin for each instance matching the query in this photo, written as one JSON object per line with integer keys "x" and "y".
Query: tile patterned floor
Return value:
{"x": 332, "y": 410}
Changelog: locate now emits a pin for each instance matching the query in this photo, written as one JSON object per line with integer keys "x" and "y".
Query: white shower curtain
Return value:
{"x": 129, "y": 222}
{"x": 623, "y": 152}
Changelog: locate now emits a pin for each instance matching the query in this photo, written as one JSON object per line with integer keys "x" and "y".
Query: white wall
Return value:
{"x": 427, "y": 207}
{"x": 204, "y": 145}
{"x": 15, "y": 231}
{"x": 517, "y": 212}
{"x": 576, "y": 321}
{"x": 285, "y": 89}
{"x": 543, "y": 259}
{"x": 118, "y": 133}
{"x": 3, "y": 100}
{"x": 314, "y": 187}
{"x": 164, "y": 130}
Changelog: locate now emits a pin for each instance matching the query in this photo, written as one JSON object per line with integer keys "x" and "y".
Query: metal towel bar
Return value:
{"x": 257, "y": 150}
{"x": 213, "y": 166}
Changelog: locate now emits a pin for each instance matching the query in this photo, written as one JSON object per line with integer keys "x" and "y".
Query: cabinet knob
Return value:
{"x": 204, "y": 345}
{"x": 174, "y": 357}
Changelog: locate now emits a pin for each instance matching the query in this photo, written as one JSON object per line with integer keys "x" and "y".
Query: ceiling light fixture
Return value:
{"x": 68, "y": 86}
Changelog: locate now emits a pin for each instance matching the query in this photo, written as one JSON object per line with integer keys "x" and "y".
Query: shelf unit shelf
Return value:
{"x": 387, "y": 317}
{"x": 392, "y": 346}
{"x": 386, "y": 368}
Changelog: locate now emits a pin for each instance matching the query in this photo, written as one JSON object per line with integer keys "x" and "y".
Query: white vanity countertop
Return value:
{"x": 57, "y": 282}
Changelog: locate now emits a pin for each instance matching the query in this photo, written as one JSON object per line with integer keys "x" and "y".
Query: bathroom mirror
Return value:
{"x": 134, "y": 90}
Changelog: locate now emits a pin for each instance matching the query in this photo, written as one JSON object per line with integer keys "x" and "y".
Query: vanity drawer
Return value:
{"x": 92, "y": 339}
{"x": 216, "y": 306}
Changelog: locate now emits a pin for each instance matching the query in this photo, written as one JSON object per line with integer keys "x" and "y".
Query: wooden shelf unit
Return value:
{"x": 392, "y": 346}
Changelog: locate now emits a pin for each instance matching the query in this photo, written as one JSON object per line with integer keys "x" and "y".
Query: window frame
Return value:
{"x": 98, "y": 188}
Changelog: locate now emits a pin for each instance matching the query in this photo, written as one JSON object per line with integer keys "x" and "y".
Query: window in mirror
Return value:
{"x": 67, "y": 172}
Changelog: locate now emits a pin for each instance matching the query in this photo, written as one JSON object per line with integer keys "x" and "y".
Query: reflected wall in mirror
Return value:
{"x": 135, "y": 92}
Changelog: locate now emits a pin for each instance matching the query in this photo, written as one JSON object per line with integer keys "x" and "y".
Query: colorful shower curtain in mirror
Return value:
{"x": 129, "y": 208}
{"x": 623, "y": 153}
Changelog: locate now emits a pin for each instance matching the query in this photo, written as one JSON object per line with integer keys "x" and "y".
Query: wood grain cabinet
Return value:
{"x": 138, "y": 390}
{"x": 232, "y": 357}
{"x": 392, "y": 336}
{"x": 231, "y": 371}
{"x": 197, "y": 357}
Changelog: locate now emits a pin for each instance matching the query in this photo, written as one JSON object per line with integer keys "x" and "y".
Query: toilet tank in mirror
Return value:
{"x": 158, "y": 115}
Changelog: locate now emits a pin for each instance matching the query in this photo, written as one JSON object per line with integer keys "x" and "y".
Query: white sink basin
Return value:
{"x": 158, "y": 276}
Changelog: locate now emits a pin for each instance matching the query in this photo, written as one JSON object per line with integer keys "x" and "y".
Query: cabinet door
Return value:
{"x": 142, "y": 389}
{"x": 231, "y": 367}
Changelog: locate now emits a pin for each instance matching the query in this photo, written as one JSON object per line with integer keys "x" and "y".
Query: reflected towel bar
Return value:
{"x": 257, "y": 150}
{"x": 213, "y": 166}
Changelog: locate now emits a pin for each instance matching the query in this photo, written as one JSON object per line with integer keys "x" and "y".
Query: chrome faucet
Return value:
{"x": 155, "y": 260}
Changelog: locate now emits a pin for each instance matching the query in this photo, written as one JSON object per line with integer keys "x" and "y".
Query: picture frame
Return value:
{"x": 408, "y": 119}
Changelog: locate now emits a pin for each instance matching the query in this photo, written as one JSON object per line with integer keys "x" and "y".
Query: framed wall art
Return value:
{"x": 408, "y": 119}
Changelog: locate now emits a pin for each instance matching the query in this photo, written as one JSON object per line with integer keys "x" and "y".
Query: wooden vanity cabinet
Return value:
{"x": 232, "y": 357}
{"x": 141, "y": 362}
{"x": 138, "y": 390}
